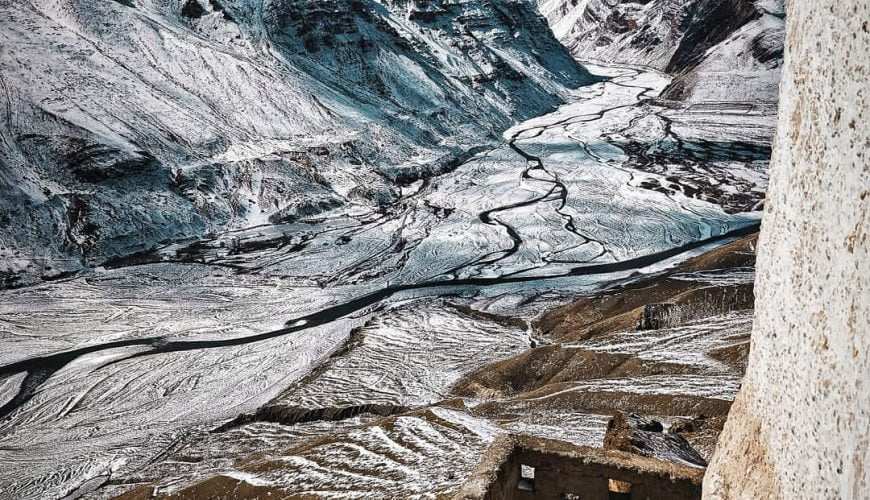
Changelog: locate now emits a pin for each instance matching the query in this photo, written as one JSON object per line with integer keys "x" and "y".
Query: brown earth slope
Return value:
{"x": 621, "y": 309}
{"x": 593, "y": 363}
{"x": 550, "y": 366}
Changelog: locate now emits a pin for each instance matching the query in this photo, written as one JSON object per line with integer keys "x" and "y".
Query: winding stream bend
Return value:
{"x": 535, "y": 209}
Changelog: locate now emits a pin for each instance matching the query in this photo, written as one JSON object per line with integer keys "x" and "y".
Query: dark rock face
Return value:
{"x": 708, "y": 24}
{"x": 97, "y": 163}
{"x": 717, "y": 50}
{"x": 643, "y": 423}
{"x": 192, "y": 9}
{"x": 294, "y": 415}
{"x": 767, "y": 46}
{"x": 707, "y": 48}
{"x": 644, "y": 436}
{"x": 657, "y": 316}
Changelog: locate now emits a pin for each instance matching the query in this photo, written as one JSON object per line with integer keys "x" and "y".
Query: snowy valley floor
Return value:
{"x": 336, "y": 356}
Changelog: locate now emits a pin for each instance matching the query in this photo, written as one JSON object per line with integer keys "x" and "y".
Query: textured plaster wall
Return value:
{"x": 800, "y": 427}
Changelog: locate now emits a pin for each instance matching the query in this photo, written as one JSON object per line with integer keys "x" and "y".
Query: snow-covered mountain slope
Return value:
{"x": 131, "y": 122}
{"x": 629, "y": 33}
{"x": 718, "y": 50}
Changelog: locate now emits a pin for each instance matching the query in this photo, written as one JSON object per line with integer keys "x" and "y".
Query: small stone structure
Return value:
{"x": 639, "y": 435}
{"x": 525, "y": 467}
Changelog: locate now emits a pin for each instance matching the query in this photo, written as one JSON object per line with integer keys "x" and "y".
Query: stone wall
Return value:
{"x": 800, "y": 427}
{"x": 563, "y": 470}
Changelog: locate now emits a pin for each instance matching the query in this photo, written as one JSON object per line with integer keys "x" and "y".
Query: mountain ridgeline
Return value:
{"x": 717, "y": 50}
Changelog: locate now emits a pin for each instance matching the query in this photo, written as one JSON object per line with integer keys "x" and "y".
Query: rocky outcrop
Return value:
{"x": 717, "y": 50}
{"x": 656, "y": 316}
{"x": 291, "y": 415}
{"x": 799, "y": 427}
{"x": 643, "y": 436}
{"x": 636, "y": 33}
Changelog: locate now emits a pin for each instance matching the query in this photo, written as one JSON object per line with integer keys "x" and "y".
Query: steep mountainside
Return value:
{"x": 718, "y": 50}
{"x": 132, "y": 122}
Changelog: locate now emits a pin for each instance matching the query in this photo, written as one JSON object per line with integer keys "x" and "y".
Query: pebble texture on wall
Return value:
{"x": 800, "y": 427}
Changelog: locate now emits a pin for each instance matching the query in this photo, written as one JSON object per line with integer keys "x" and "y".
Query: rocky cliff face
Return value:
{"x": 799, "y": 427}
{"x": 718, "y": 50}
{"x": 130, "y": 123}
